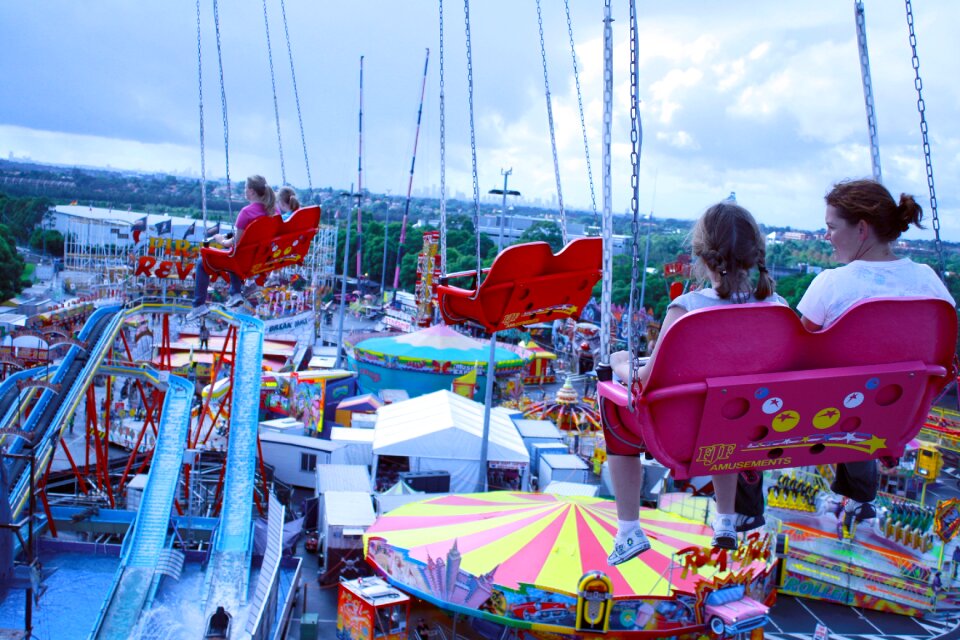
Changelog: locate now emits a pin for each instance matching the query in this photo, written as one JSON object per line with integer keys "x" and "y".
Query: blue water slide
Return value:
{"x": 148, "y": 542}
{"x": 228, "y": 572}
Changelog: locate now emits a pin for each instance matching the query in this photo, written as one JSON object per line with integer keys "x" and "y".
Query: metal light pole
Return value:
{"x": 503, "y": 212}
{"x": 343, "y": 284}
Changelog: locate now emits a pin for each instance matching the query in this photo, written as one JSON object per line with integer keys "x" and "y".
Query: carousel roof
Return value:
{"x": 438, "y": 343}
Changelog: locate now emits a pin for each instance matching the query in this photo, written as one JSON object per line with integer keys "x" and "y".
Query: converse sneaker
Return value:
{"x": 235, "y": 300}
{"x": 197, "y": 312}
{"x": 631, "y": 545}
{"x": 725, "y": 531}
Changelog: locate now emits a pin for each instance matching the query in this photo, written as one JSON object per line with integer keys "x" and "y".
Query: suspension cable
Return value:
{"x": 583, "y": 122}
{"x": 203, "y": 158}
{"x": 921, "y": 108}
{"x": 636, "y": 142}
{"x": 273, "y": 85}
{"x": 553, "y": 136}
{"x": 473, "y": 137}
{"x": 223, "y": 108}
{"x": 296, "y": 97}
{"x": 443, "y": 159}
{"x": 606, "y": 290}
{"x": 867, "y": 89}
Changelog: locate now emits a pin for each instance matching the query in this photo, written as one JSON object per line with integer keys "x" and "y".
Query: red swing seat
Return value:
{"x": 267, "y": 244}
{"x": 526, "y": 284}
{"x": 786, "y": 397}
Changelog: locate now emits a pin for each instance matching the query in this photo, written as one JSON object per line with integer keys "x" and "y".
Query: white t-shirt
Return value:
{"x": 835, "y": 290}
{"x": 707, "y": 297}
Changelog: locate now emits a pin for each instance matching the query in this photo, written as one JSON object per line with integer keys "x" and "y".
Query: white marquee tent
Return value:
{"x": 443, "y": 431}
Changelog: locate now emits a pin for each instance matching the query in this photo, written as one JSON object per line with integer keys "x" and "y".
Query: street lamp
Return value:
{"x": 503, "y": 212}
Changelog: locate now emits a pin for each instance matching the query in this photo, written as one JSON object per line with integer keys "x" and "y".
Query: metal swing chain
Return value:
{"x": 273, "y": 85}
{"x": 443, "y": 159}
{"x": 296, "y": 97}
{"x": 918, "y": 83}
{"x": 553, "y": 136}
{"x": 606, "y": 301}
{"x": 473, "y": 138}
{"x": 583, "y": 122}
{"x": 223, "y": 107}
{"x": 636, "y": 141}
{"x": 868, "y": 89}
{"x": 203, "y": 157}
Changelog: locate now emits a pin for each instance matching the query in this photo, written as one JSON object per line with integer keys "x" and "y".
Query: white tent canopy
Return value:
{"x": 443, "y": 431}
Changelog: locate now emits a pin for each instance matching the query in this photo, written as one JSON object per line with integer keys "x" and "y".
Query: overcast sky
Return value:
{"x": 760, "y": 98}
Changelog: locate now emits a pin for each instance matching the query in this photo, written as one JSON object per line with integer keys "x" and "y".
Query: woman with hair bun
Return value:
{"x": 863, "y": 221}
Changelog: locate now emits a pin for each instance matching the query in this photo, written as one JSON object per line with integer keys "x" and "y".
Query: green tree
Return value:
{"x": 11, "y": 265}
{"x": 545, "y": 231}
{"x": 48, "y": 240}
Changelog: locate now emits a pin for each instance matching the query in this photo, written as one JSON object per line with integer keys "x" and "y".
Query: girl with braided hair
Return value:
{"x": 728, "y": 248}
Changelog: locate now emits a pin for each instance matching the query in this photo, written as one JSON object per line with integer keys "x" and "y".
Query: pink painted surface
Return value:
{"x": 786, "y": 397}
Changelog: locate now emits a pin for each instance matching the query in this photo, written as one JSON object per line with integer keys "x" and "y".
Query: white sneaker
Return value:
{"x": 725, "y": 531}
{"x": 632, "y": 545}
{"x": 197, "y": 312}
{"x": 235, "y": 300}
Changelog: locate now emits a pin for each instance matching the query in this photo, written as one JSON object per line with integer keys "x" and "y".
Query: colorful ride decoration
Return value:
{"x": 526, "y": 284}
{"x": 540, "y": 369}
{"x": 308, "y": 396}
{"x": 538, "y": 562}
{"x": 594, "y": 596}
{"x": 370, "y": 609}
{"x": 267, "y": 244}
{"x": 567, "y": 411}
{"x": 428, "y": 275}
{"x": 947, "y": 519}
{"x": 427, "y": 360}
{"x": 871, "y": 570}
{"x": 787, "y": 397}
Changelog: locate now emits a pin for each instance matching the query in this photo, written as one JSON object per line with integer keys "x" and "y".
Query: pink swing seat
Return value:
{"x": 746, "y": 387}
{"x": 526, "y": 284}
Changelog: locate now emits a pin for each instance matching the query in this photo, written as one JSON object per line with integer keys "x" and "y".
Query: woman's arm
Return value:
{"x": 809, "y": 324}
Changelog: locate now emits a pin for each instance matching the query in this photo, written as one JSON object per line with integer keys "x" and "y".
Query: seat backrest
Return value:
{"x": 582, "y": 254}
{"x": 290, "y": 241}
{"x": 518, "y": 261}
{"x": 747, "y": 385}
{"x": 250, "y": 250}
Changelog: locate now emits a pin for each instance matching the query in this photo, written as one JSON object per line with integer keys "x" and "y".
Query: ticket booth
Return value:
{"x": 370, "y": 609}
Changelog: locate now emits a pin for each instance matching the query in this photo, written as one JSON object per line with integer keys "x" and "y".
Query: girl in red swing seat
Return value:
{"x": 263, "y": 202}
{"x": 728, "y": 246}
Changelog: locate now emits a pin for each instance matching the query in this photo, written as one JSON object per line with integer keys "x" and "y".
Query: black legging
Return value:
{"x": 856, "y": 480}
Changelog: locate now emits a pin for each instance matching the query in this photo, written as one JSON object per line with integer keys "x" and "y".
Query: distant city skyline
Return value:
{"x": 767, "y": 102}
